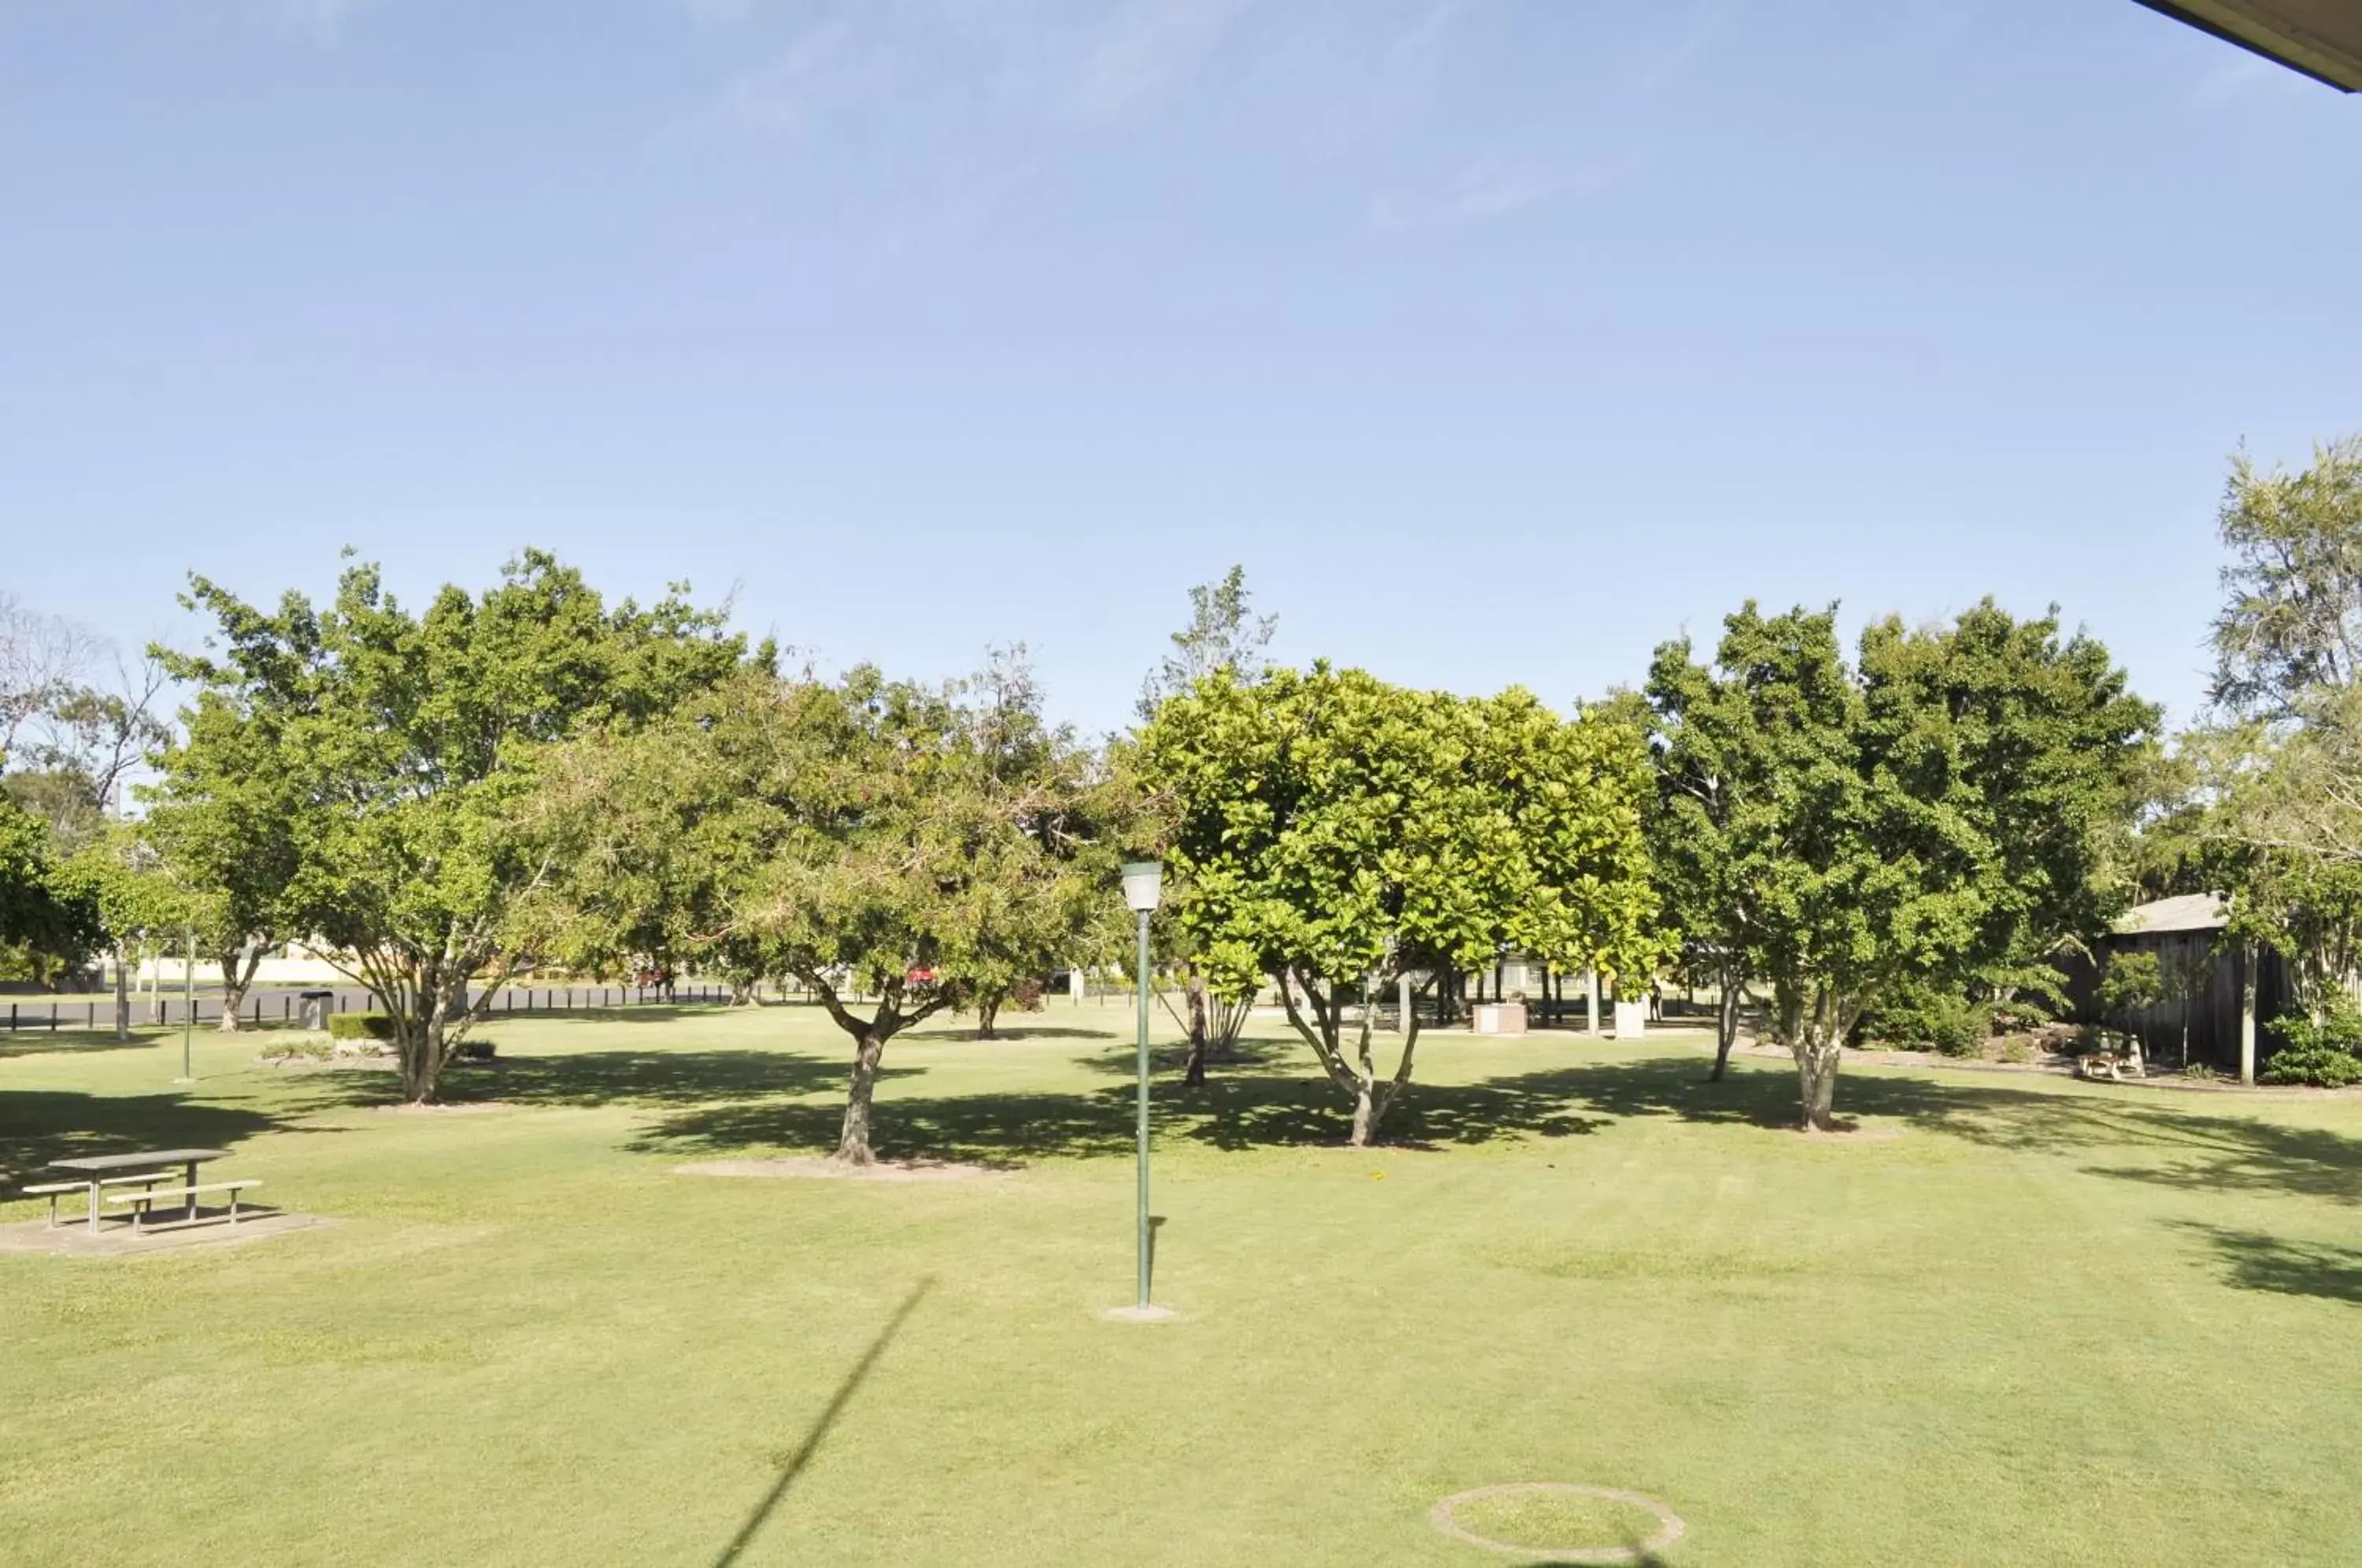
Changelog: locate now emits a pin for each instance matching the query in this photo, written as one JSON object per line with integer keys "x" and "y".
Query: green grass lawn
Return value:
{"x": 2015, "y": 1320}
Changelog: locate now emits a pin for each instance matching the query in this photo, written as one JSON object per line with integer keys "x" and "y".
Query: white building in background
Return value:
{"x": 295, "y": 963}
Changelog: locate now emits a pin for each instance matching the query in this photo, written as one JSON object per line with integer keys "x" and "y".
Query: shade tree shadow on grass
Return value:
{"x": 2253, "y": 1260}
{"x": 37, "y": 1126}
{"x": 2189, "y": 1147}
{"x": 1010, "y": 1128}
{"x": 648, "y": 1078}
{"x": 728, "y": 1100}
{"x": 72, "y": 1043}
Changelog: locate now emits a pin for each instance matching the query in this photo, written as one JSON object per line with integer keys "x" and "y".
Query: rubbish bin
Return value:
{"x": 313, "y": 1007}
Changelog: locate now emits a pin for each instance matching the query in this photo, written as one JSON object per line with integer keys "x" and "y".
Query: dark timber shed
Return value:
{"x": 2214, "y": 1001}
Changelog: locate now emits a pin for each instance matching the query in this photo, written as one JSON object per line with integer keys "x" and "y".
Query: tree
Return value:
{"x": 2037, "y": 744}
{"x": 1951, "y": 815}
{"x": 413, "y": 741}
{"x": 2130, "y": 985}
{"x": 1715, "y": 779}
{"x": 1222, "y": 634}
{"x": 41, "y": 658}
{"x": 135, "y": 903}
{"x": 68, "y": 748}
{"x": 2279, "y": 792}
{"x": 867, "y": 836}
{"x": 41, "y": 923}
{"x": 2291, "y": 625}
{"x": 1843, "y": 882}
{"x": 1333, "y": 832}
{"x": 232, "y": 820}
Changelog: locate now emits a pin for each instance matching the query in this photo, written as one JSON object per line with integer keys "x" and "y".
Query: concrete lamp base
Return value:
{"x": 1140, "y": 1314}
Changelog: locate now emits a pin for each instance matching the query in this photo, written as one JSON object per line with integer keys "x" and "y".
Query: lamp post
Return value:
{"x": 1143, "y": 882}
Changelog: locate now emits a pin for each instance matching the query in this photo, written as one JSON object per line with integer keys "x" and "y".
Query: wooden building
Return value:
{"x": 2215, "y": 1003}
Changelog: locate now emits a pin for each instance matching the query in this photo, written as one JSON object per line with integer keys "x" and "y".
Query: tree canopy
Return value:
{"x": 919, "y": 847}
{"x": 1952, "y": 811}
{"x": 1334, "y": 831}
{"x": 410, "y": 743}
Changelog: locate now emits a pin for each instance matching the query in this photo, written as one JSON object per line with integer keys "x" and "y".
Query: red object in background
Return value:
{"x": 919, "y": 977}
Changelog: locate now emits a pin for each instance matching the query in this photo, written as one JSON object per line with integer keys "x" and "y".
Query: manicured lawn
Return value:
{"x": 2019, "y": 1320}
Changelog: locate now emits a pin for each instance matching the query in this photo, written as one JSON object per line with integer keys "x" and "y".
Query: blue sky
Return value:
{"x": 1498, "y": 341}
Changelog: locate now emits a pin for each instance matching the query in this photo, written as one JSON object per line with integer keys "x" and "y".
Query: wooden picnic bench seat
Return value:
{"x": 57, "y": 1189}
{"x": 142, "y": 1200}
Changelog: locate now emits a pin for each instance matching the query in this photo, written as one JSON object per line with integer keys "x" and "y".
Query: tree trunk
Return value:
{"x": 852, "y": 1141}
{"x": 1195, "y": 1075}
{"x": 237, "y": 979}
{"x": 1816, "y": 1070}
{"x": 418, "y": 1048}
{"x": 987, "y": 1013}
{"x": 1818, "y": 1039}
{"x": 1726, "y": 1024}
{"x": 1366, "y": 1112}
{"x": 122, "y": 993}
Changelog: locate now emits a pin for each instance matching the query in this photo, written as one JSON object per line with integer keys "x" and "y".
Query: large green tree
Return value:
{"x": 2035, "y": 743}
{"x": 899, "y": 849}
{"x": 1842, "y": 882}
{"x": 2276, "y": 811}
{"x": 1334, "y": 832}
{"x": 1954, "y": 812}
{"x": 411, "y": 741}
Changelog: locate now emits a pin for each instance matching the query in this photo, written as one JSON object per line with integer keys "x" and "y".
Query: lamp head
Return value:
{"x": 1143, "y": 884}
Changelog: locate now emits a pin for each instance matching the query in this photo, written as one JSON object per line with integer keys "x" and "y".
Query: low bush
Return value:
{"x": 299, "y": 1047}
{"x": 2017, "y": 1048}
{"x": 1025, "y": 995}
{"x": 2324, "y": 1067}
{"x": 2018, "y": 1017}
{"x": 2197, "y": 1070}
{"x": 474, "y": 1050}
{"x": 1958, "y": 1027}
{"x": 361, "y": 1026}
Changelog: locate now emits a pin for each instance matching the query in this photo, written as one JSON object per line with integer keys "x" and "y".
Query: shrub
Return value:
{"x": 474, "y": 1050}
{"x": 2018, "y": 1017}
{"x": 1958, "y": 1028}
{"x": 2317, "y": 1064}
{"x": 1025, "y": 995}
{"x": 361, "y": 1026}
{"x": 2320, "y": 1051}
{"x": 2339, "y": 1028}
{"x": 2018, "y": 1049}
{"x": 1904, "y": 1016}
{"x": 2197, "y": 1070}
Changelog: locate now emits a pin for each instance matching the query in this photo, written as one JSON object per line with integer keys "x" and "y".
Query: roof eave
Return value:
{"x": 2234, "y": 24}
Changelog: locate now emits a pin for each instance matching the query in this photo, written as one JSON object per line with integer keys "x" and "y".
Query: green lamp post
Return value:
{"x": 1143, "y": 882}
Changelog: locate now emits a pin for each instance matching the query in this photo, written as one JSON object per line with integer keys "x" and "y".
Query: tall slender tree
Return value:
{"x": 1223, "y": 634}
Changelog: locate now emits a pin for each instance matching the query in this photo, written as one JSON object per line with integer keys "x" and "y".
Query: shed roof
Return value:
{"x": 2189, "y": 911}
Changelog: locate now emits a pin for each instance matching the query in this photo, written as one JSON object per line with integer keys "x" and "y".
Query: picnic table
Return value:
{"x": 104, "y": 1170}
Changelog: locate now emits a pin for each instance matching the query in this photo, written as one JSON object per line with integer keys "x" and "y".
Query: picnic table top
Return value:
{"x": 95, "y": 1163}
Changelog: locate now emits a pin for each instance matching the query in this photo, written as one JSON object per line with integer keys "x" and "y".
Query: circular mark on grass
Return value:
{"x": 1559, "y": 1521}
